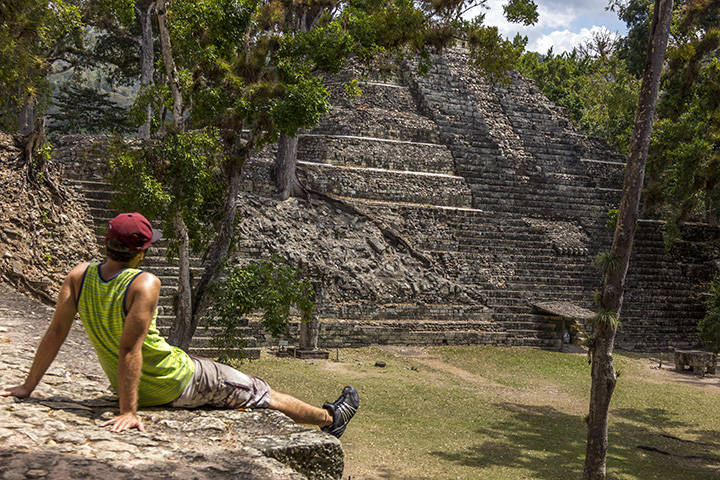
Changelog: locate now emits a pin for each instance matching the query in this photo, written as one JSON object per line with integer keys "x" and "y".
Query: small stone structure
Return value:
{"x": 696, "y": 361}
{"x": 572, "y": 322}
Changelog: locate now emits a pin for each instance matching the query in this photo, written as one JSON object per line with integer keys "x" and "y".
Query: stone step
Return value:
{"x": 386, "y": 96}
{"x": 378, "y": 123}
{"x": 550, "y": 200}
{"x": 376, "y": 153}
{"x": 388, "y": 185}
{"x": 250, "y": 353}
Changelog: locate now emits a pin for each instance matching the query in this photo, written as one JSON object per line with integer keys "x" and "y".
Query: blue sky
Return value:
{"x": 562, "y": 24}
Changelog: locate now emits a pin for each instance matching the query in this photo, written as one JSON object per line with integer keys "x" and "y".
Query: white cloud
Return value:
{"x": 564, "y": 40}
{"x": 548, "y": 18}
{"x": 563, "y": 24}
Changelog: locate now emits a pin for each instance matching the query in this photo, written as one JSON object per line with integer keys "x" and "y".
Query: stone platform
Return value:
{"x": 696, "y": 361}
{"x": 54, "y": 434}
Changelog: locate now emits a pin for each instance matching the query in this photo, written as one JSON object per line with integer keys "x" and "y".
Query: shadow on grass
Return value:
{"x": 651, "y": 417}
{"x": 541, "y": 442}
{"x": 660, "y": 420}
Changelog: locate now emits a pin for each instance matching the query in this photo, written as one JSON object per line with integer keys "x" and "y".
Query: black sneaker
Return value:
{"x": 342, "y": 410}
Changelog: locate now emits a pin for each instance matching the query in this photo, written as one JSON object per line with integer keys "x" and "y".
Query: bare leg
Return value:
{"x": 298, "y": 410}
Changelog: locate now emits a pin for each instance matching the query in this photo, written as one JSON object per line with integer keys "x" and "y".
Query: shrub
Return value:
{"x": 271, "y": 285}
{"x": 709, "y": 327}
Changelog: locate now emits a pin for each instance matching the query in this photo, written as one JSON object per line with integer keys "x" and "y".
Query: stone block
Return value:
{"x": 696, "y": 361}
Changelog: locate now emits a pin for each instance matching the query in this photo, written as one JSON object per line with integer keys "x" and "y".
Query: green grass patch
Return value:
{"x": 495, "y": 413}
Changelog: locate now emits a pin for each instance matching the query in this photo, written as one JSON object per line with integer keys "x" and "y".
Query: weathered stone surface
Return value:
{"x": 696, "y": 361}
{"x": 42, "y": 235}
{"x": 54, "y": 434}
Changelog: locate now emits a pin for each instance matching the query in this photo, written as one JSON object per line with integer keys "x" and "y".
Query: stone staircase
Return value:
{"x": 660, "y": 303}
{"x": 490, "y": 183}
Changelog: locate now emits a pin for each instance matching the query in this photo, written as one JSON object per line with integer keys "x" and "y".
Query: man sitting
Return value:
{"x": 117, "y": 304}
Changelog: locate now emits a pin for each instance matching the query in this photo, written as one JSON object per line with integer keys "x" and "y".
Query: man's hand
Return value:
{"x": 124, "y": 422}
{"x": 20, "y": 391}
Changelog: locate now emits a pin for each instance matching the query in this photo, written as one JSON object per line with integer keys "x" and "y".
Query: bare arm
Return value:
{"x": 55, "y": 334}
{"x": 142, "y": 301}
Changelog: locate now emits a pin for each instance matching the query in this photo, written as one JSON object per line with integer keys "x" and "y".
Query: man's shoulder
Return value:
{"x": 78, "y": 271}
{"x": 145, "y": 279}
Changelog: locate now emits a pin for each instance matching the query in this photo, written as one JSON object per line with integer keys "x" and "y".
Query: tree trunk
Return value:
{"x": 147, "y": 59}
{"x": 170, "y": 70}
{"x": 310, "y": 330}
{"x": 216, "y": 255}
{"x": 181, "y": 331}
{"x": 603, "y": 370}
{"x": 284, "y": 171}
{"x": 221, "y": 244}
{"x": 301, "y": 19}
{"x": 26, "y": 115}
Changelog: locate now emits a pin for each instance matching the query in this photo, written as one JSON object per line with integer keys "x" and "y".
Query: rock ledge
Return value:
{"x": 55, "y": 435}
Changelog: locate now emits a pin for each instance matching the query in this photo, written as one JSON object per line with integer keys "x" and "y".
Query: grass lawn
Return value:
{"x": 496, "y": 413}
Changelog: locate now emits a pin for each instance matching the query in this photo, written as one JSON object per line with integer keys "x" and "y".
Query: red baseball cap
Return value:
{"x": 133, "y": 230}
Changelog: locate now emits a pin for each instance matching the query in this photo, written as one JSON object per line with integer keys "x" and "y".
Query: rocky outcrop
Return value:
{"x": 42, "y": 235}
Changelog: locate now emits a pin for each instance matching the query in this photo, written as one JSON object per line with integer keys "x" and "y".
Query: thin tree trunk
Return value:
{"x": 147, "y": 59}
{"x": 220, "y": 247}
{"x": 603, "y": 371}
{"x": 170, "y": 70}
{"x": 181, "y": 331}
{"x": 26, "y": 115}
{"x": 310, "y": 330}
{"x": 286, "y": 180}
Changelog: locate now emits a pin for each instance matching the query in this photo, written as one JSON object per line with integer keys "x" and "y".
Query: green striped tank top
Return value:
{"x": 166, "y": 370}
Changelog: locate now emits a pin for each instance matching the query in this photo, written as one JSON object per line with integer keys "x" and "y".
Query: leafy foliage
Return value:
{"x": 34, "y": 35}
{"x": 114, "y": 38}
{"x": 684, "y": 162}
{"x": 709, "y": 326}
{"x": 491, "y": 54}
{"x": 637, "y": 15}
{"x": 174, "y": 173}
{"x": 271, "y": 285}
{"x": 85, "y": 110}
{"x": 606, "y": 319}
{"x": 521, "y": 12}
{"x": 606, "y": 262}
{"x": 612, "y": 218}
{"x": 158, "y": 98}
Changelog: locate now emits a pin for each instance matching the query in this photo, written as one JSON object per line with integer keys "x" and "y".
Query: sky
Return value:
{"x": 563, "y": 24}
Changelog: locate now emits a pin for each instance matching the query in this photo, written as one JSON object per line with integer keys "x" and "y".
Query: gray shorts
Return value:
{"x": 221, "y": 386}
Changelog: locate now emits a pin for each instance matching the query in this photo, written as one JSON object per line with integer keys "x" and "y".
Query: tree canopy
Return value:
{"x": 35, "y": 36}
{"x": 685, "y": 154}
